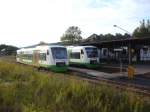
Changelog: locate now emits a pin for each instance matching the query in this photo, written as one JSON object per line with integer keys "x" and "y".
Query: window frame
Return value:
{"x": 75, "y": 55}
{"x": 42, "y": 56}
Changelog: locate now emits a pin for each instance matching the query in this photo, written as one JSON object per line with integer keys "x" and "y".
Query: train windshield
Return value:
{"x": 91, "y": 52}
{"x": 59, "y": 53}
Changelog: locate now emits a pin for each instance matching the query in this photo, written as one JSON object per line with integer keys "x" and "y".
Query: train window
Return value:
{"x": 91, "y": 52}
{"x": 59, "y": 53}
{"x": 27, "y": 56}
{"x": 42, "y": 56}
{"x": 75, "y": 55}
{"x": 30, "y": 56}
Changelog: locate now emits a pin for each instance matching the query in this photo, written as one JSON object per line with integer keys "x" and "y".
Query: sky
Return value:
{"x": 27, "y": 22}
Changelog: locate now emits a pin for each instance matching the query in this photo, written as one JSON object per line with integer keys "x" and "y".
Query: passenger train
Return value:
{"x": 87, "y": 56}
{"x": 51, "y": 57}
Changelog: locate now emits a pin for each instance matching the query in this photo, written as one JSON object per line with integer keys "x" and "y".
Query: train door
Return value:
{"x": 36, "y": 58}
{"x": 20, "y": 56}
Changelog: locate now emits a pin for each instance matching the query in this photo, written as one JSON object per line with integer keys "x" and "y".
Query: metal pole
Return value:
{"x": 121, "y": 64}
{"x": 129, "y": 46}
{"x": 122, "y": 29}
{"x": 129, "y": 51}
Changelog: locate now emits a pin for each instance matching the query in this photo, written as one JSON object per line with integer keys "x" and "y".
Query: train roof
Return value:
{"x": 79, "y": 47}
{"x": 43, "y": 47}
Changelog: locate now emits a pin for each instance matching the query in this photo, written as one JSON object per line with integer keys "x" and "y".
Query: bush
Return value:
{"x": 23, "y": 89}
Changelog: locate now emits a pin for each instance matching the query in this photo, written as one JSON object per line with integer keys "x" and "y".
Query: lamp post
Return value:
{"x": 129, "y": 46}
{"x": 123, "y": 29}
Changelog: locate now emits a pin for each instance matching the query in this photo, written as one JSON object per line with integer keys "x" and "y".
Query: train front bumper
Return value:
{"x": 59, "y": 69}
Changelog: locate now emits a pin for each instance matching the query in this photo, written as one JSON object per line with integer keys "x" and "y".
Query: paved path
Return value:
{"x": 142, "y": 69}
{"x": 96, "y": 73}
{"x": 139, "y": 69}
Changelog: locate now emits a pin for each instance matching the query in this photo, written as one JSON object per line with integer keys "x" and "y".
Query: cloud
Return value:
{"x": 101, "y": 15}
{"x": 26, "y": 22}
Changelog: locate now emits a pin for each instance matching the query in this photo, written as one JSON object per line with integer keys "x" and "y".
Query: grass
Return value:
{"x": 23, "y": 89}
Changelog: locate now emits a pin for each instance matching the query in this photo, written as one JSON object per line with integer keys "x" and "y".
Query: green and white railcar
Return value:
{"x": 83, "y": 55}
{"x": 51, "y": 57}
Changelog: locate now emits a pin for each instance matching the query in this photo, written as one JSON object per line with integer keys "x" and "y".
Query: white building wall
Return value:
{"x": 145, "y": 54}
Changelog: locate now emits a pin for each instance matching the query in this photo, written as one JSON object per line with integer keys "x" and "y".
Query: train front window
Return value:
{"x": 91, "y": 52}
{"x": 59, "y": 53}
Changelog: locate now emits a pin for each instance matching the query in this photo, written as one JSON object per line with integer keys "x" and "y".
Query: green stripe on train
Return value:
{"x": 53, "y": 68}
{"x": 58, "y": 69}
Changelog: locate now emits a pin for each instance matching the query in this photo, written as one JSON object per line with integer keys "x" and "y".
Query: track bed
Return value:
{"x": 139, "y": 83}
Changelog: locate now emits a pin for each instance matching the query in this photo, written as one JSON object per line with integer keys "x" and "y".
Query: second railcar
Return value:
{"x": 87, "y": 56}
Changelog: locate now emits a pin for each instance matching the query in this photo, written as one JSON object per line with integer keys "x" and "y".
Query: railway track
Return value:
{"x": 134, "y": 85}
{"x": 128, "y": 85}
{"x": 143, "y": 90}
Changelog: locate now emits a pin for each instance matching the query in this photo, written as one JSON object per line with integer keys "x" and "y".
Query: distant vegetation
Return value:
{"x": 7, "y": 49}
{"x": 23, "y": 89}
{"x": 106, "y": 37}
{"x": 72, "y": 35}
{"x": 143, "y": 30}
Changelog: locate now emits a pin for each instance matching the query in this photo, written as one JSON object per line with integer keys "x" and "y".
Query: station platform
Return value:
{"x": 142, "y": 69}
{"x": 97, "y": 73}
{"x": 139, "y": 69}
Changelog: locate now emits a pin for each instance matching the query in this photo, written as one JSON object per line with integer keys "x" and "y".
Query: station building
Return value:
{"x": 131, "y": 50}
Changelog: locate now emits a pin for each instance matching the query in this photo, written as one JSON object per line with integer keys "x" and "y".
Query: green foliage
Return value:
{"x": 23, "y": 89}
{"x": 7, "y": 49}
{"x": 143, "y": 30}
{"x": 72, "y": 35}
{"x": 106, "y": 37}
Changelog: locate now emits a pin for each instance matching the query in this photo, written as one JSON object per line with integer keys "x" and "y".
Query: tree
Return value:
{"x": 143, "y": 30}
{"x": 72, "y": 35}
{"x": 7, "y": 49}
{"x": 109, "y": 37}
{"x": 106, "y": 37}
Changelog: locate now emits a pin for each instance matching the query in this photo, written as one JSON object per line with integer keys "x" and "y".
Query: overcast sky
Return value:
{"x": 27, "y": 22}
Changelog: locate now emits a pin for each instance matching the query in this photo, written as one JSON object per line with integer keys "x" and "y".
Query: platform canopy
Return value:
{"x": 117, "y": 43}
